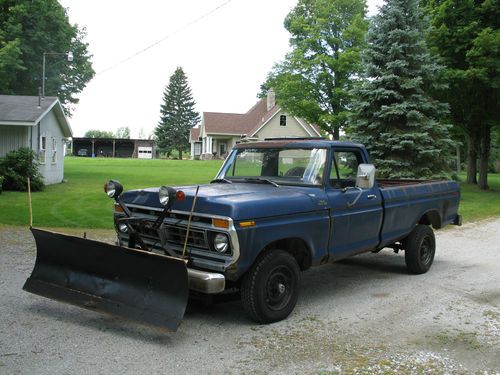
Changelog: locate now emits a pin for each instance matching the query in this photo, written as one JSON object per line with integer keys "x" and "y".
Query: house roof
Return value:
{"x": 24, "y": 111}
{"x": 194, "y": 135}
{"x": 239, "y": 123}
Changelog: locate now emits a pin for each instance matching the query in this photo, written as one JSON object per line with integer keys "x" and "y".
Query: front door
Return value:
{"x": 356, "y": 216}
{"x": 222, "y": 149}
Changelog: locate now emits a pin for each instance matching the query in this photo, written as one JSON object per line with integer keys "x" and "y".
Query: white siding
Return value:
{"x": 53, "y": 172}
{"x": 13, "y": 137}
{"x": 293, "y": 128}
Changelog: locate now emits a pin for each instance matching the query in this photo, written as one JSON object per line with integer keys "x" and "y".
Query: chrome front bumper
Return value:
{"x": 206, "y": 282}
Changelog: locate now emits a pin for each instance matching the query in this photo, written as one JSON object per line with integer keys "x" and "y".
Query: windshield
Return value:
{"x": 280, "y": 166}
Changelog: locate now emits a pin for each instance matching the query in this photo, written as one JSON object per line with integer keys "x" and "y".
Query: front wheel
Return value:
{"x": 270, "y": 289}
{"x": 420, "y": 247}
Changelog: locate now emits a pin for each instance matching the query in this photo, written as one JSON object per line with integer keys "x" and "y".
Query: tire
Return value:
{"x": 270, "y": 289}
{"x": 420, "y": 248}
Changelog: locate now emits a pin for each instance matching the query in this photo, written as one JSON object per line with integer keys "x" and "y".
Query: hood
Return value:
{"x": 239, "y": 201}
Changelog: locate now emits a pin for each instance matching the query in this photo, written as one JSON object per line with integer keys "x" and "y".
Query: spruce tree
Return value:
{"x": 394, "y": 114}
{"x": 177, "y": 115}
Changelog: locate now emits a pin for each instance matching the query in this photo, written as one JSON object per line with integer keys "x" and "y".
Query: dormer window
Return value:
{"x": 282, "y": 120}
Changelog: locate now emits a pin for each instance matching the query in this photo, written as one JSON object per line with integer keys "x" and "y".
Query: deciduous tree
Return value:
{"x": 394, "y": 114}
{"x": 28, "y": 28}
{"x": 99, "y": 134}
{"x": 177, "y": 115}
{"x": 465, "y": 35}
{"x": 123, "y": 132}
{"x": 314, "y": 80}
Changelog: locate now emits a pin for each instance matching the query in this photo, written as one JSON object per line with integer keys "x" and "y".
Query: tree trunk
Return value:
{"x": 471, "y": 160}
{"x": 484, "y": 156}
{"x": 180, "y": 154}
{"x": 336, "y": 133}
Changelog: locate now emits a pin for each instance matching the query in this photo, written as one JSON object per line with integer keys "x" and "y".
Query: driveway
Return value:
{"x": 364, "y": 315}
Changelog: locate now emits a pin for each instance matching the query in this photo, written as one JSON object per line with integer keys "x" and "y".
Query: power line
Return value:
{"x": 203, "y": 16}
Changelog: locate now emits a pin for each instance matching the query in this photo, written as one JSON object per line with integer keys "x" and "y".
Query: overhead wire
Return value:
{"x": 203, "y": 16}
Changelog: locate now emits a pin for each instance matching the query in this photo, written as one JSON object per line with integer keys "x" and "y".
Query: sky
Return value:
{"x": 225, "y": 47}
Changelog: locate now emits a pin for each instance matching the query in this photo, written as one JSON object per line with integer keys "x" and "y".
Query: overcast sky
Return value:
{"x": 225, "y": 47}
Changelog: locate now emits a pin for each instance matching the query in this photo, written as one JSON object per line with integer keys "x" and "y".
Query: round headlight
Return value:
{"x": 113, "y": 188}
{"x": 221, "y": 243}
{"x": 164, "y": 195}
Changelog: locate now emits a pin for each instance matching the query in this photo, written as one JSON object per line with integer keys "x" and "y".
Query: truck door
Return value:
{"x": 355, "y": 223}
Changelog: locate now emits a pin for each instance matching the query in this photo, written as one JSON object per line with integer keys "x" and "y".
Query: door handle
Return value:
{"x": 371, "y": 196}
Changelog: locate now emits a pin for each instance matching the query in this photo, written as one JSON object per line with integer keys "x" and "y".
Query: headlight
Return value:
{"x": 166, "y": 195}
{"x": 221, "y": 243}
{"x": 123, "y": 228}
{"x": 113, "y": 188}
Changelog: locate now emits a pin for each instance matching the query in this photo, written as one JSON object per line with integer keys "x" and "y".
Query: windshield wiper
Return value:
{"x": 223, "y": 180}
{"x": 260, "y": 181}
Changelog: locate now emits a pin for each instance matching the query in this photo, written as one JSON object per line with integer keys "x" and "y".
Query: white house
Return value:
{"x": 219, "y": 132}
{"x": 40, "y": 124}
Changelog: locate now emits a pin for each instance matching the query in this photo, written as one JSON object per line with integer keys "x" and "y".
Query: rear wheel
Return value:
{"x": 270, "y": 289}
{"x": 420, "y": 247}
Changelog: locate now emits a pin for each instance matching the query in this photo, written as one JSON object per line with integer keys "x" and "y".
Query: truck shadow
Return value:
{"x": 72, "y": 315}
{"x": 319, "y": 286}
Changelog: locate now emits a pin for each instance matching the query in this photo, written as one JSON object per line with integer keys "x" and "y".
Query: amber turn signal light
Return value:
{"x": 220, "y": 223}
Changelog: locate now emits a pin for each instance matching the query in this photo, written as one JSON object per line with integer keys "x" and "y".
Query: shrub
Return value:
{"x": 17, "y": 166}
{"x": 1, "y": 183}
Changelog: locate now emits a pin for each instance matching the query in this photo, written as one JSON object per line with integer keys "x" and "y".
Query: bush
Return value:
{"x": 17, "y": 166}
{"x": 1, "y": 183}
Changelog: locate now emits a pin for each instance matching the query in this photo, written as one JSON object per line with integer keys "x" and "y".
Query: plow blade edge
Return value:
{"x": 134, "y": 284}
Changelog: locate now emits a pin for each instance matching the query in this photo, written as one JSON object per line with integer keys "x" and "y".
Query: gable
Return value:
{"x": 294, "y": 127}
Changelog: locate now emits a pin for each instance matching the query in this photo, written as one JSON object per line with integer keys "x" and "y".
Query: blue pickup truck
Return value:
{"x": 276, "y": 208}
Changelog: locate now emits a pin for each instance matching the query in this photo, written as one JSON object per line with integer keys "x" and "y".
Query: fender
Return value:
{"x": 310, "y": 227}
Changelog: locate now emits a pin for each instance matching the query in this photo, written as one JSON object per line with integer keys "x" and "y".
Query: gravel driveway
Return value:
{"x": 363, "y": 315}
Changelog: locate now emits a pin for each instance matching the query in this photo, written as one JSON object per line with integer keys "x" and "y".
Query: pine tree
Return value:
{"x": 177, "y": 115}
{"x": 394, "y": 114}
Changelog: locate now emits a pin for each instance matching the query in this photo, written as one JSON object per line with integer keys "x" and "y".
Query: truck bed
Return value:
{"x": 405, "y": 202}
{"x": 390, "y": 183}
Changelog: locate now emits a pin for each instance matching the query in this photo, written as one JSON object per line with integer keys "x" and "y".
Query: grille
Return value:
{"x": 177, "y": 236}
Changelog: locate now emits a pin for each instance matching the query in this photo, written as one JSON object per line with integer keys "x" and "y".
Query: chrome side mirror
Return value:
{"x": 365, "y": 178}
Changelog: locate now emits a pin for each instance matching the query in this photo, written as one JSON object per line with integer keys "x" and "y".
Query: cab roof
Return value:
{"x": 296, "y": 143}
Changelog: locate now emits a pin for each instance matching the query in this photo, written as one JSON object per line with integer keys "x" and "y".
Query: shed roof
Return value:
{"x": 25, "y": 111}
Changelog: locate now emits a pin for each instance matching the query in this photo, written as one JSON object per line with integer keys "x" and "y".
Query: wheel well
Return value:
{"x": 296, "y": 247}
{"x": 431, "y": 218}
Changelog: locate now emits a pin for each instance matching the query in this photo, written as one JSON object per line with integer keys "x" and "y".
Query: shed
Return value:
{"x": 39, "y": 124}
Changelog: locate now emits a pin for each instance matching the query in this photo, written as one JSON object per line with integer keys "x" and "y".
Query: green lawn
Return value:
{"x": 479, "y": 204}
{"x": 81, "y": 203}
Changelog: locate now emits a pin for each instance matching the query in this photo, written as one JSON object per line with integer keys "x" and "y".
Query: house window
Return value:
{"x": 43, "y": 147}
{"x": 282, "y": 120}
{"x": 54, "y": 150}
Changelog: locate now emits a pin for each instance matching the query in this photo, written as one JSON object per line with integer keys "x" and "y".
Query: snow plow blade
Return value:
{"x": 134, "y": 284}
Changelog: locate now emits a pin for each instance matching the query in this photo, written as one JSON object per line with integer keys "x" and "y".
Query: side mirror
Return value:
{"x": 365, "y": 178}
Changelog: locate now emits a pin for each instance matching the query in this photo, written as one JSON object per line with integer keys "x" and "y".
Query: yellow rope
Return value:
{"x": 189, "y": 222}
{"x": 29, "y": 203}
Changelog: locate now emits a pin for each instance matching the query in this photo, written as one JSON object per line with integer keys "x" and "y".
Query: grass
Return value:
{"x": 480, "y": 204}
{"x": 81, "y": 203}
